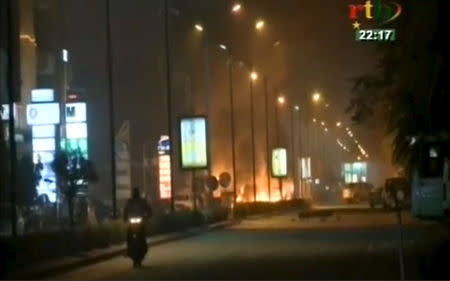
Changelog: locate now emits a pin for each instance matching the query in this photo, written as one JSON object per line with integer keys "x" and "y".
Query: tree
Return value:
{"x": 27, "y": 182}
{"x": 72, "y": 171}
{"x": 408, "y": 90}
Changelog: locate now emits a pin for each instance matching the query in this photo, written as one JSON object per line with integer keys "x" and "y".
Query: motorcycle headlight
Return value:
{"x": 135, "y": 220}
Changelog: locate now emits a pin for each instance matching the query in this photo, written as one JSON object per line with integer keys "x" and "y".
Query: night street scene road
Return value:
{"x": 224, "y": 140}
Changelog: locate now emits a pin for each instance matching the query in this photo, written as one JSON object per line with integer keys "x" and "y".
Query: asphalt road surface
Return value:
{"x": 346, "y": 245}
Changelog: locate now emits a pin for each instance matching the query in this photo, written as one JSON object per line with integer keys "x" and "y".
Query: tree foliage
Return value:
{"x": 408, "y": 90}
{"x": 72, "y": 171}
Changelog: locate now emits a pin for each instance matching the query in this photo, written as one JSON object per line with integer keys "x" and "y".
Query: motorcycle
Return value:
{"x": 136, "y": 242}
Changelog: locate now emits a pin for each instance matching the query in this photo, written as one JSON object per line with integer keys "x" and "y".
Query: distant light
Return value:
{"x": 199, "y": 27}
{"x": 236, "y": 8}
{"x": 323, "y": 123}
{"x": 338, "y": 124}
{"x": 223, "y": 47}
{"x": 327, "y": 187}
{"x": 65, "y": 55}
{"x": 347, "y": 129}
{"x": 254, "y": 76}
{"x": 297, "y": 107}
{"x": 327, "y": 105}
{"x": 281, "y": 99}
{"x": 413, "y": 141}
{"x": 260, "y": 24}
{"x": 314, "y": 120}
{"x": 317, "y": 181}
{"x": 326, "y": 129}
{"x": 72, "y": 97}
{"x": 316, "y": 97}
{"x": 276, "y": 44}
{"x": 359, "y": 158}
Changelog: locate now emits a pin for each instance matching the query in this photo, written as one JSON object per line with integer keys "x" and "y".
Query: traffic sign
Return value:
{"x": 212, "y": 183}
{"x": 225, "y": 179}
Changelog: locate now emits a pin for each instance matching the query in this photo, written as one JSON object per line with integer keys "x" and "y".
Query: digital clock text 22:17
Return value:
{"x": 374, "y": 35}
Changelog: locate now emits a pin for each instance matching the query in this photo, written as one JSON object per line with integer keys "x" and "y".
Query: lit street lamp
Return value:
{"x": 260, "y": 25}
{"x": 338, "y": 124}
{"x": 316, "y": 97}
{"x": 199, "y": 27}
{"x": 254, "y": 76}
{"x": 236, "y": 8}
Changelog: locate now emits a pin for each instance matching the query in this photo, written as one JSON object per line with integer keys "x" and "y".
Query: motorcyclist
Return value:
{"x": 136, "y": 206}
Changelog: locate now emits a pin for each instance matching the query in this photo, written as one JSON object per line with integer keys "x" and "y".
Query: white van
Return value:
{"x": 430, "y": 183}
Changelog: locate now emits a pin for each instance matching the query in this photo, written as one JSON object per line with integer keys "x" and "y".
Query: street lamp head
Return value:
{"x": 338, "y": 124}
{"x": 254, "y": 76}
{"x": 276, "y": 44}
{"x": 314, "y": 120}
{"x": 236, "y": 8}
{"x": 65, "y": 55}
{"x": 223, "y": 47}
{"x": 323, "y": 123}
{"x": 326, "y": 129}
{"x": 327, "y": 105}
{"x": 316, "y": 97}
{"x": 281, "y": 100}
{"x": 199, "y": 27}
{"x": 297, "y": 108}
{"x": 260, "y": 24}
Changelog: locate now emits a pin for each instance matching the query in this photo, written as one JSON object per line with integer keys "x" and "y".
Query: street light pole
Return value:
{"x": 280, "y": 180}
{"x": 111, "y": 108}
{"x": 12, "y": 90}
{"x": 169, "y": 100}
{"x": 294, "y": 156}
{"x": 233, "y": 141}
{"x": 253, "y": 138}
{"x": 266, "y": 94}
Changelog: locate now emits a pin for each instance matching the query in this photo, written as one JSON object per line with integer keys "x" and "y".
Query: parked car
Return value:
{"x": 356, "y": 192}
{"x": 386, "y": 195}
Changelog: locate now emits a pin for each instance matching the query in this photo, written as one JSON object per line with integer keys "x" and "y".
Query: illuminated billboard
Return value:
{"x": 165, "y": 179}
{"x": 194, "y": 144}
{"x": 354, "y": 172}
{"x": 279, "y": 162}
{"x": 5, "y": 113}
{"x": 43, "y": 114}
{"x": 76, "y": 130}
{"x": 76, "y": 112}
{"x": 306, "y": 167}
{"x": 42, "y": 95}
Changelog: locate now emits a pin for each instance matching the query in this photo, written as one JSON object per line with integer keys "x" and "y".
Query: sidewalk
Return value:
{"x": 71, "y": 262}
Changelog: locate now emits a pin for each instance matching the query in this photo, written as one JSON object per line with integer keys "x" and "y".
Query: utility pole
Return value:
{"x": 266, "y": 97}
{"x": 233, "y": 137}
{"x": 109, "y": 60}
{"x": 253, "y": 139}
{"x": 12, "y": 91}
{"x": 169, "y": 101}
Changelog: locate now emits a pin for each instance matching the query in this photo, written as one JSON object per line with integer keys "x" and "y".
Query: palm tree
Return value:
{"x": 72, "y": 171}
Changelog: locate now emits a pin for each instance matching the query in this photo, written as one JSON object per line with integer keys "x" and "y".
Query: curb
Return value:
{"x": 41, "y": 271}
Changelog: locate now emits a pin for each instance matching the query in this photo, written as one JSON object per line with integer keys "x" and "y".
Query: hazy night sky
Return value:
{"x": 317, "y": 52}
